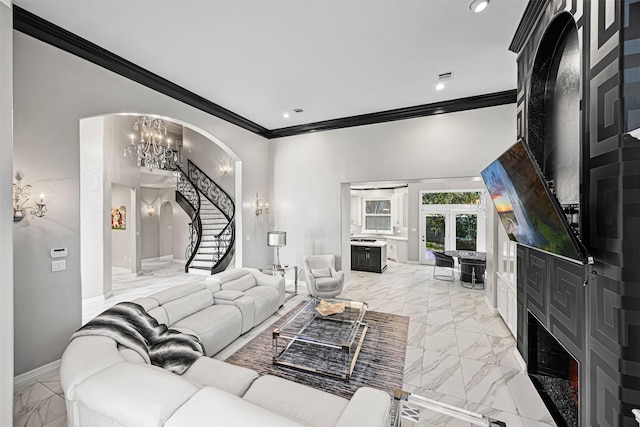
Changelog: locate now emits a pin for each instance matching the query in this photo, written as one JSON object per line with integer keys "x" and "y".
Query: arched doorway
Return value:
{"x": 102, "y": 163}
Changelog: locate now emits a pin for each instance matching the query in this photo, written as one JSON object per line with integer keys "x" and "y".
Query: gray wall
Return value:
{"x": 53, "y": 90}
{"x": 150, "y": 224}
{"x": 6, "y": 217}
{"x": 309, "y": 171}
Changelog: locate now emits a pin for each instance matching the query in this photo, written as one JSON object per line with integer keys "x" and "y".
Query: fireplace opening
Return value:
{"x": 555, "y": 374}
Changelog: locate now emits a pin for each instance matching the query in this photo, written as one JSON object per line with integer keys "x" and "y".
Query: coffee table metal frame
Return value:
{"x": 308, "y": 327}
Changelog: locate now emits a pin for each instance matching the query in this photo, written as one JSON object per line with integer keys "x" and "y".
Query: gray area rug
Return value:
{"x": 380, "y": 363}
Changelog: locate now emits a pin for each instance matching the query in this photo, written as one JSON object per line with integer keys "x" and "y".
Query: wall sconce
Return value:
{"x": 225, "y": 169}
{"x": 21, "y": 196}
{"x": 261, "y": 207}
{"x": 150, "y": 210}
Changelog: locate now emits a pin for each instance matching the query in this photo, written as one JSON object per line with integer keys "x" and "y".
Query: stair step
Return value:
{"x": 209, "y": 244}
{"x": 201, "y": 264}
{"x": 206, "y": 251}
{"x": 200, "y": 271}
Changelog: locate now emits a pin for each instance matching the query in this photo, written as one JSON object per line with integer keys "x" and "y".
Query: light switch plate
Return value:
{"x": 59, "y": 265}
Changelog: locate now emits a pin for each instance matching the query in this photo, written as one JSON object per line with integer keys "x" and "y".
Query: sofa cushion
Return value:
{"x": 160, "y": 314}
{"x": 147, "y": 303}
{"x": 228, "y": 295}
{"x": 266, "y": 300}
{"x": 368, "y": 407}
{"x": 216, "y": 326}
{"x": 214, "y": 407}
{"x": 176, "y": 292}
{"x": 84, "y": 357}
{"x": 187, "y": 305}
{"x": 327, "y": 283}
{"x": 311, "y": 406}
{"x": 135, "y": 395}
{"x": 225, "y": 376}
{"x": 242, "y": 283}
{"x": 321, "y": 272}
{"x": 129, "y": 355}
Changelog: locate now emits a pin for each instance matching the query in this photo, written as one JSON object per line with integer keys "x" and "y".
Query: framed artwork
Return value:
{"x": 119, "y": 218}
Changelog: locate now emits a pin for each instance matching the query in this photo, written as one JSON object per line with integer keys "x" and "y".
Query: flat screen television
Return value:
{"x": 528, "y": 210}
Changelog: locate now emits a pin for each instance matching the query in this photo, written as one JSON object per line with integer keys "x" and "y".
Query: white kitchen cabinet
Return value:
{"x": 397, "y": 209}
{"x": 392, "y": 249}
{"x": 507, "y": 304}
{"x": 356, "y": 210}
{"x": 403, "y": 250}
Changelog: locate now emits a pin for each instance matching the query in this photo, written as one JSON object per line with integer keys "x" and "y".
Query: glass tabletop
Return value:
{"x": 338, "y": 330}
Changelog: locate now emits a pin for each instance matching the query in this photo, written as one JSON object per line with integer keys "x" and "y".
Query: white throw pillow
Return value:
{"x": 320, "y": 272}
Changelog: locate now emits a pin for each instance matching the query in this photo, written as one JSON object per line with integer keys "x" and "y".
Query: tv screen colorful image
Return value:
{"x": 525, "y": 205}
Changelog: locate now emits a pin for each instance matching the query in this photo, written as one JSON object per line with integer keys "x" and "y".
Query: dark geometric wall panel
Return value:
{"x": 631, "y": 61}
{"x": 606, "y": 334}
{"x": 536, "y": 283}
{"x": 566, "y": 305}
{"x": 604, "y": 121}
{"x": 522, "y": 255}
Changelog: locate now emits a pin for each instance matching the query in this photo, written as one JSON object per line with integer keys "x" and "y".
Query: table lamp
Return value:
{"x": 277, "y": 239}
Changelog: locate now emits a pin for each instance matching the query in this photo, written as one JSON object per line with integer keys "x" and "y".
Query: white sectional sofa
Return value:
{"x": 109, "y": 386}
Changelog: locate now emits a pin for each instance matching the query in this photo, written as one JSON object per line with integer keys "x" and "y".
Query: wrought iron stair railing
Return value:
{"x": 220, "y": 247}
{"x": 188, "y": 198}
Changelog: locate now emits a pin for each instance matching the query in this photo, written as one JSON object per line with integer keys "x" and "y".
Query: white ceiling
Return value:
{"x": 332, "y": 58}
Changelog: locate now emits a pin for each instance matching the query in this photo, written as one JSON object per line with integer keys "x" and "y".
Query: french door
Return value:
{"x": 444, "y": 229}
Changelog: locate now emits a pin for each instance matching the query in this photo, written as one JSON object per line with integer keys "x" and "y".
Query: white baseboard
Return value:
{"x": 98, "y": 299}
{"x": 520, "y": 360}
{"x": 37, "y": 373}
{"x": 491, "y": 307}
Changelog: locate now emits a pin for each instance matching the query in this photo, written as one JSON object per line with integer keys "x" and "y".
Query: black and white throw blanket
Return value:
{"x": 132, "y": 327}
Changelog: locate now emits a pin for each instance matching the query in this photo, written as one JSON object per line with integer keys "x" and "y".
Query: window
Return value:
{"x": 454, "y": 198}
{"x": 377, "y": 217}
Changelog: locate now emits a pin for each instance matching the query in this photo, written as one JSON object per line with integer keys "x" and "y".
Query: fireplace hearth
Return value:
{"x": 555, "y": 374}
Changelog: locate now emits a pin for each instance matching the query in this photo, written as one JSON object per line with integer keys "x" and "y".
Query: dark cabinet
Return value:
{"x": 367, "y": 258}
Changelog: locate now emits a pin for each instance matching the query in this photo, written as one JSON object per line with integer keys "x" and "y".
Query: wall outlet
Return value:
{"x": 248, "y": 236}
{"x": 59, "y": 265}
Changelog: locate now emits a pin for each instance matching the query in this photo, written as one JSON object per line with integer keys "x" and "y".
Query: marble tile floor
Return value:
{"x": 458, "y": 351}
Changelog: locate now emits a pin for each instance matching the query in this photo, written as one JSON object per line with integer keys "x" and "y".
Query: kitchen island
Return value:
{"x": 368, "y": 255}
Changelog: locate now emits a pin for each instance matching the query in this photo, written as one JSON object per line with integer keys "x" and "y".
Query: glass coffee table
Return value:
{"x": 327, "y": 345}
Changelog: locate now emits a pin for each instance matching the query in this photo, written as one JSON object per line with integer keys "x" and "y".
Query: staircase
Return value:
{"x": 213, "y": 223}
{"x": 212, "y": 227}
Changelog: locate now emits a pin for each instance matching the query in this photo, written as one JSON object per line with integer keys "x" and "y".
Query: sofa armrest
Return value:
{"x": 263, "y": 279}
{"x": 245, "y": 303}
{"x": 225, "y": 376}
{"x": 132, "y": 395}
{"x": 368, "y": 407}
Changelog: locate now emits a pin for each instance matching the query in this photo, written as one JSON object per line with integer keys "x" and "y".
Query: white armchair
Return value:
{"x": 322, "y": 278}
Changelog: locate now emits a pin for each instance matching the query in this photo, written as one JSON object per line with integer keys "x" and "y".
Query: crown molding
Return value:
{"x": 461, "y": 104}
{"x": 47, "y": 32}
{"x": 43, "y": 30}
{"x": 531, "y": 15}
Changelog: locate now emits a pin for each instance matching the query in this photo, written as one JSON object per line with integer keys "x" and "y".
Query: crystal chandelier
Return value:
{"x": 152, "y": 154}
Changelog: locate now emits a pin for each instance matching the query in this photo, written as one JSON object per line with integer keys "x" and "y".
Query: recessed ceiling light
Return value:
{"x": 440, "y": 86}
{"x": 478, "y": 6}
{"x": 285, "y": 115}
